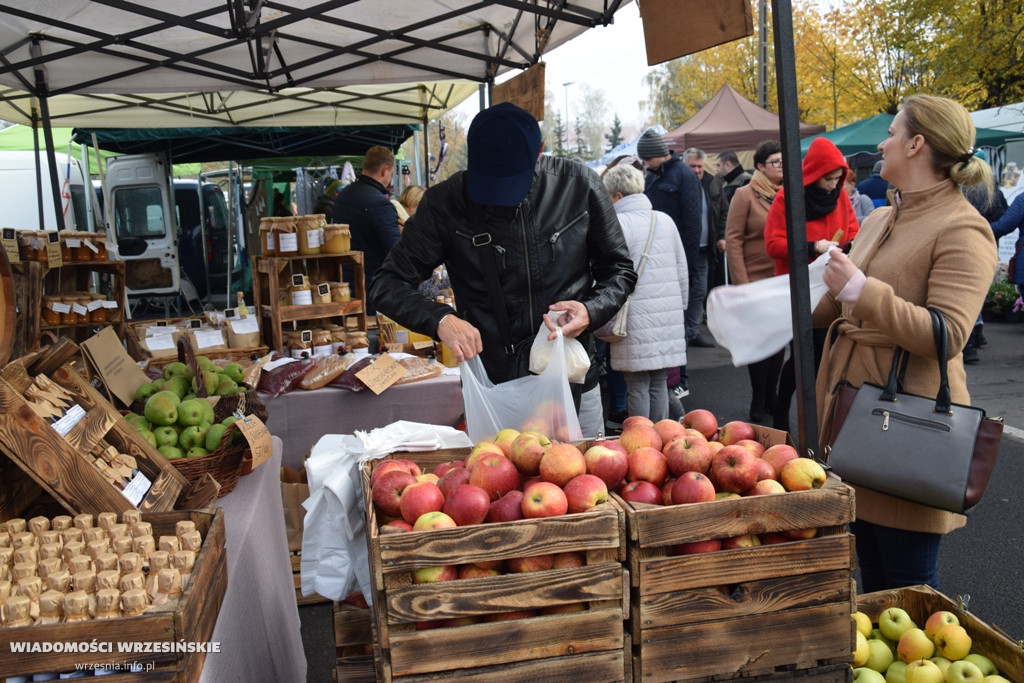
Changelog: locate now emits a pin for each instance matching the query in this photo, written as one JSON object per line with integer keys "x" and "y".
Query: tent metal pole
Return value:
{"x": 425, "y": 168}
{"x": 51, "y": 160}
{"x": 800, "y": 303}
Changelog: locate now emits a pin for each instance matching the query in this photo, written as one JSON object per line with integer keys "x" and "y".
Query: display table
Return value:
{"x": 258, "y": 624}
{"x": 300, "y": 417}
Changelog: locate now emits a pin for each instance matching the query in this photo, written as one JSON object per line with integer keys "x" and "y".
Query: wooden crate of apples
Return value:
{"x": 918, "y": 635}
{"x": 737, "y": 552}
{"x": 500, "y": 562}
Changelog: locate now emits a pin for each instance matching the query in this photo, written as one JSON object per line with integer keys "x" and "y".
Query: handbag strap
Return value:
{"x": 647, "y": 247}
{"x": 900, "y": 358}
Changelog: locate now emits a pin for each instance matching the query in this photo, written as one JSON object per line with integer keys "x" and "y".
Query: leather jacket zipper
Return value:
{"x": 888, "y": 415}
{"x": 526, "y": 257}
{"x": 554, "y": 236}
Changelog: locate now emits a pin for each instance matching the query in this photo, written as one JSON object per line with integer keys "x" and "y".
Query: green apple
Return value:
{"x": 893, "y": 621}
{"x": 964, "y": 672}
{"x": 862, "y": 674}
{"x": 863, "y": 622}
{"x": 176, "y": 368}
{"x": 177, "y": 384}
{"x": 165, "y": 435}
{"x": 139, "y": 422}
{"x": 235, "y": 371}
{"x": 986, "y": 665}
{"x": 145, "y": 391}
{"x": 225, "y": 386}
{"x": 148, "y": 436}
{"x": 860, "y": 649}
{"x": 162, "y": 408}
{"x": 876, "y": 634}
{"x": 191, "y": 413}
{"x": 205, "y": 363}
{"x": 996, "y": 678}
{"x": 879, "y": 656}
{"x": 942, "y": 663}
{"x": 213, "y": 436}
{"x": 208, "y": 414}
{"x": 896, "y": 673}
{"x": 196, "y": 452}
{"x": 914, "y": 645}
{"x": 171, "y": 452}
{"x": 192, "y": 437}
{"x": 924, "y": 671}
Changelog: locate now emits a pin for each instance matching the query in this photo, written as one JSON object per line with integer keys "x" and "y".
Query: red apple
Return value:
{"x": 428, "y": 476}
{"x": 481, "y": 449}
{"x": 688, "y": 454}
{"x": 735, "y": 430}
{"x": 648, "y": 464}
{"x": 504, "y": 439}
{"x": 443, "y": 467}
{"x": 569, "y": 559}
{"x": 734, "y": 468}
{"x": 561, "y": 462}
{"x": 467, "y": 505}
{"x": 800, "y": 534}
{"x": 414, "y": 469}
{"x": 778, "y": 455}
{"x": 584, "y": 492}
{"x": 764, "y": 487}
{"x": 694, "y": 547}
{"x": 744, "y": 541}
{"x": 508, "y": 508}
{"x": 637, "y": 420}
{"x": 641, "y": 491}
{"x": 495, "y": 474}
{"x": 541, "y": 425}
{"x": 669, "y": 430}
{"x": 639, "y": 435}
{"x": 434, "y": 520}
{"x": 446, "y": 572}
{"x": 452, "y": 479}
{"x": 474, "y": 571}
{"x": 527, "y": 450}
{"x": 755, "y": 447}
{"x": 544, "y": 499}
{"x": 692, "y": 487}
{"x": 802, "y": 474}
{"x": 765, "y": 470}
{"x": 356, "y": 599}
{"x": 492, "y": 564}
{"x": 387, "y": 491}
{"x": 419, "y": 498}
{"x": 607, "y": 462}
{"x": 716, "y": 446}
{"x": 704, "y": 421}
{"x": 534, "y": 563}
{"x": 385, "y": 467}
{"x": 399, "y": 524}
{"x": 666, "y": 491}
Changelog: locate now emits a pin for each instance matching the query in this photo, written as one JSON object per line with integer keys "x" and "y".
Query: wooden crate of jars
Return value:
{"x": 563, "y": 624}
{"x": 176, "y": 632}
{"x": 780, "y": 609}
{"x": 922, "y": 601}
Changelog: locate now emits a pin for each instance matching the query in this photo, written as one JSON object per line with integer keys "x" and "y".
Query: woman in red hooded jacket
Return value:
{"x": 830, "y": 221}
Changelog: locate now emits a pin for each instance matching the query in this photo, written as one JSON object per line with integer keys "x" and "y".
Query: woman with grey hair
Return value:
{"x": 656, "y": 329}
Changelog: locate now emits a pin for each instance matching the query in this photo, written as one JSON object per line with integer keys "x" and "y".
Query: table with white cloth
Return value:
{"x": 258, "y": 624}
{"x": 301, "y": 417}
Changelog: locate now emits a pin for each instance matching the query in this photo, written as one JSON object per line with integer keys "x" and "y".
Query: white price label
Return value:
{"x": 160, "y": 342}
{"x": 60, "y": 307}
{"x": 73, "y": 242}
{"x": 80, "y": 309}
{"x": 207, "y": 338}
{"x": 244, "y": 325}
{"x": 95, "y": 304}
{"x": 71, "y": 418}
{"x": 137, "y": 488}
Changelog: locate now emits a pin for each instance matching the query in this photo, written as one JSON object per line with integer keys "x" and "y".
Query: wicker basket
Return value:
{"x": 224, "y": 465}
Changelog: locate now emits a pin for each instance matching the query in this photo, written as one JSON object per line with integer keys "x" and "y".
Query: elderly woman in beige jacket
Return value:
{"x": 930, "y": 248}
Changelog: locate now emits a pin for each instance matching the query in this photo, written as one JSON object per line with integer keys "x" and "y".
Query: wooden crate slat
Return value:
{"x": 593, "y": 667}
{"x": 490, "y": 644}
{"x": 505, "y": 593}
{"x": 84, "y": 436}
{"x": 711, "y": 603}
{"x": 748, "y": 646}
{"x": 351, "y": 625}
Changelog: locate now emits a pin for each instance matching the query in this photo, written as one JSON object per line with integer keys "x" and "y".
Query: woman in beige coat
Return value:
{"x": 930, "y": 248}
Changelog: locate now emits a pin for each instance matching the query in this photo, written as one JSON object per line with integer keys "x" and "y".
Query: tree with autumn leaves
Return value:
{"x": 864, "y": 58}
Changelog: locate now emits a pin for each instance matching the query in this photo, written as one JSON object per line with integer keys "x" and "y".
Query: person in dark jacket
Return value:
{"x": 371, "y": 217}
{"x": 732, "y": 173}
{"x": 875, "y": 186}
{"x": 717, "y": 209}
{"x": 519, "y": 234}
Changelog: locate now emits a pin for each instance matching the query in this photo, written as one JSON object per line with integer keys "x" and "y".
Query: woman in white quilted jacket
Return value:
{"x": 656, "y": 330}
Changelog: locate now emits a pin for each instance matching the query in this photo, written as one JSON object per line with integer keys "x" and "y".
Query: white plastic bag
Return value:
{"x": 577, "y": 362}
{"x": 537, "y": 402}
{"x": 755, "y": 320}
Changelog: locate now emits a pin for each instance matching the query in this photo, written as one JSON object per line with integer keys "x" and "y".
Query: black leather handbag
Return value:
{"x": 925, "y": 450}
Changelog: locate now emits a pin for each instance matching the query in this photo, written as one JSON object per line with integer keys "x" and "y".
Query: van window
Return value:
{"x": 138, "y": 212}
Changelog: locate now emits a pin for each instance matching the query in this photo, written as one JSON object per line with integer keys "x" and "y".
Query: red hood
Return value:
{"x": 822, "y": 158}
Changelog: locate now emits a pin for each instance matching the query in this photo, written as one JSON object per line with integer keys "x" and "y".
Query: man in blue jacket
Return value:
{"x": 371, "y": 217}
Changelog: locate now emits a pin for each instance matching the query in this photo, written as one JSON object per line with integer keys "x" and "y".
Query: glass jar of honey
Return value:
{"x": 301, "y": 295}
{"x": 100, "y": 242}
{"x": 81, "y": 305}
{"x": 80, "y": 250}
{"x": 321, "y": 342}
{"x": 340, "y": 292}
{"x": 97, "y": 310}
{"x": 310, "y": 235}
{"x": 286, "y": 235}
{"x": 65, "y": 250}
{"x": 337, "y": 337}
{"x": 50, "y": 315}
{"x": 337, "y": 239}
{"x": 68, "y": 316}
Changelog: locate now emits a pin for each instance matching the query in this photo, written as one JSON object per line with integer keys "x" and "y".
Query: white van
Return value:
{"x": 19, "y": 195}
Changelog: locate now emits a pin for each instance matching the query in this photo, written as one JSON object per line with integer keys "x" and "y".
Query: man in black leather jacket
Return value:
{"x": 519, "y": 234}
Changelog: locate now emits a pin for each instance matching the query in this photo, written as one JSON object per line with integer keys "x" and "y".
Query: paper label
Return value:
{"x": 244, "y": 325}
{"x": 314, "y": 238}
{"x": 257, "y": 436}
{"x": 421, "y": 345}
{"x": 73, "y": 242}
{"x": 382, "y": 373}
{"x": 288, "y": 241}
{"x": 137, "y": 488}
{"x": 160, "y": 342}
{"x": 92, "y": 246}
{"x": 80, "y": 309}
{"x": 60, "y": 307}
{"x": 71, "y": 418}
{"x": 10, "y": 240}
{"x": 94, "y": 305}
{"x": 53, "y": 255}
{"x": 322, "y": 350}
{"x": 302, "y": 297}
{"x": 109, "y": 304}
{"x": 402, "y": 336}
{"x": 207, "y": 338}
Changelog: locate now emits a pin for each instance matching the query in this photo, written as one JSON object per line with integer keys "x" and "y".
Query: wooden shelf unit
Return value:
{"x": 36, "y": 278}
{"x": 273, "y": 277}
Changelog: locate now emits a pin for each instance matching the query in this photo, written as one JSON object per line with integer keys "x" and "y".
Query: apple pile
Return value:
{"x": 897, "y": 650}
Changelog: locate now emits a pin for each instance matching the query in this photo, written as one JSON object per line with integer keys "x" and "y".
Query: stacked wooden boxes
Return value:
{"x": 777, "y": 610}
{"x": 587, "y": 644}
{"x": 188, "y": 626}
{"x": 353, "y": 642}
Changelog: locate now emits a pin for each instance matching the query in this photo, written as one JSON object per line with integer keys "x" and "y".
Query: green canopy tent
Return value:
{"x": 864, "y": 136}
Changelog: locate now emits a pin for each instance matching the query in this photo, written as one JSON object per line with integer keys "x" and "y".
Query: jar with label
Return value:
{"x": 80, "y": 250}
{"x": 286, "y": 235}
{"x": 50, "y": 315}
{"x": 65, "y": 250}
{"x": 310, "y": 235}
{"x": 268, "y": 243}
{"x": 97, "y": 308}
{"x": 340, "y": 292}
{"x": 300, "y": 348}
{"x": 302, "y": 295}
{"x": 321, "y": 342}
{"x": 357, "y": 340}
{"x": 100, "y": 242}
{"x": 68, "y": 317}
{"x": 322, "y": 293}
{"x": 320, "y": 223}
{"x": 337, "y": 239}
{"x": 81, "y": 306}
{"x": 338, "y": 337}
